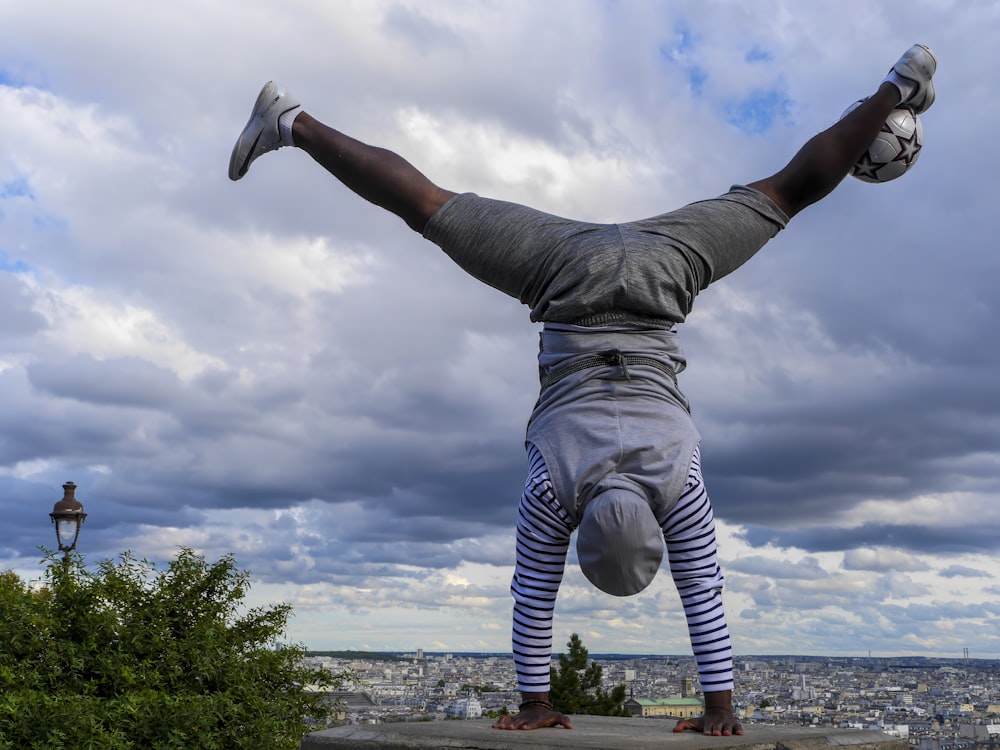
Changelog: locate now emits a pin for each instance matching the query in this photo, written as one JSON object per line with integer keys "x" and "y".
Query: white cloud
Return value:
{"x": 881, "y": 560}
{"x": 80, "y": 323}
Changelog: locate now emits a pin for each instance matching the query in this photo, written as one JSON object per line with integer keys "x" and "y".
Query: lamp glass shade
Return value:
{"x": 67, "y": 529}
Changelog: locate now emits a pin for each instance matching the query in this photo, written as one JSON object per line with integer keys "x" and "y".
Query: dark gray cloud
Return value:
{"x": 957, "y": 571}
{"x": 807, "y": 569}
{"x": 125, "y": 382}
{"x": 911, "y": 537}
{"x": 17, "y": 319}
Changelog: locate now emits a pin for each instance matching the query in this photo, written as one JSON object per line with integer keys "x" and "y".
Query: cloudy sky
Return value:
{"x": 277, "y": 369}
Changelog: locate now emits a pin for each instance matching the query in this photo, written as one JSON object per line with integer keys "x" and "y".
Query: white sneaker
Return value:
{"x": 261, "y": 132}
{"x": 912, "y": 76}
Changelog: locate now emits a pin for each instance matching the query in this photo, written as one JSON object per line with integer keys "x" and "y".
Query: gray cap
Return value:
{"x": 619, "y": 543}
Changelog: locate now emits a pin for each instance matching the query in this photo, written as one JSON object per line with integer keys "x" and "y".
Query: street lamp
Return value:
{"x": 67, "y": 515}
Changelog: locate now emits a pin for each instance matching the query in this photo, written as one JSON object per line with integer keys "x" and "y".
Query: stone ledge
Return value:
{"x": 588, "y": 733}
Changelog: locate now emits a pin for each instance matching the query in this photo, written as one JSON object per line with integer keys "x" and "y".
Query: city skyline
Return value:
{"x": 276, "y": 369}
{"x": 931, "y": 703}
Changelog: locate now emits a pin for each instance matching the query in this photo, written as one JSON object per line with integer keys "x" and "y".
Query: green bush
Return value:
{"x": 132, "y": 657}
{"x": 576, "y": 685}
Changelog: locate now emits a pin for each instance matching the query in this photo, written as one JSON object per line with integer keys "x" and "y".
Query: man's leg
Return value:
{"x": 502, "y": 244}
{"x": 376, "y": 174}
{"x": 827, "y": 158}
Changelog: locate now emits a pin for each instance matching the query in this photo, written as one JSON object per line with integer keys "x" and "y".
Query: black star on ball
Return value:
{"x": 865, "y": 167}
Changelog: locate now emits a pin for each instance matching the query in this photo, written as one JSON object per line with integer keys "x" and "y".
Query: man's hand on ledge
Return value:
{"x": 718, "y": 719}
{"x": 534, "y": 717}
{"x": 714, "y": 722}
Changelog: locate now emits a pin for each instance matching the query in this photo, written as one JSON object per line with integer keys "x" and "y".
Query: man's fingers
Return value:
{"x": 564, "y": 720}
{"x": 684, "y": 725}
{"x": 533, "y": 721}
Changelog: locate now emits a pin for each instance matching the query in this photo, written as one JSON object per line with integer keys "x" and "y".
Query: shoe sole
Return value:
{"x": 923, "y": 105}
{"x": 269, "y": 96}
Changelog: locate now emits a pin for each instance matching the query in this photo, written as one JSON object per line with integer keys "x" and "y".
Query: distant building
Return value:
{"x": 464, "y": 708}
{"x": 897, "y": 730}
{"x": 979, "y": 731}
{"x": 348, "y": 703}
{"x": 678, "y": 708}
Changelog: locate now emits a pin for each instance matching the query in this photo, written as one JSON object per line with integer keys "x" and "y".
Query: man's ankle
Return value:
{"x": 285, "y": 122}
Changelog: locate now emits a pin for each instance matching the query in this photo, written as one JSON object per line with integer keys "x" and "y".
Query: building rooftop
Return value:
{"x": 667, "y": 701}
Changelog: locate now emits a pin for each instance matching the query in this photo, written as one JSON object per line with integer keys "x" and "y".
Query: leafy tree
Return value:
{"x": 130, "y": 657}
{"x": 576, "y": 685}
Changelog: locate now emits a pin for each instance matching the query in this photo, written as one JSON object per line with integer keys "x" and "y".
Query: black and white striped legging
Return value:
{"x": 543, "y": 533}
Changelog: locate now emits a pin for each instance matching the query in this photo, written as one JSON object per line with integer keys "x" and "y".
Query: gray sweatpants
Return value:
{"x": 642, "y": 272}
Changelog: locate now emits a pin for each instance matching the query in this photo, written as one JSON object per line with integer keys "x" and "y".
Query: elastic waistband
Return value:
{"x": 624, "y": 318}
{"x": 613, "y": 358}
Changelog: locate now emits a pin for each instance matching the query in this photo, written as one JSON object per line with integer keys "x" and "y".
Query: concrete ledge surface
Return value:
{"x": 589, "y": 732}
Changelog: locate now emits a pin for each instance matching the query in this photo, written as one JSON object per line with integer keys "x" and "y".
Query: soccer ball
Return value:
{"x": 895, "y": 148}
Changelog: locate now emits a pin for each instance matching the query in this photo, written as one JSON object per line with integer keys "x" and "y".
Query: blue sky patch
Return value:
{"x": 49, "y": 223}
{"x": 686, "y": 41}
{"x": 677, "y": 52}
{"x": 696, "y": 79}
{"x": 756, "y": 113}
{"x": 12, "y": 266}
{"x": 758, "y": 54}
{"x": 9, "y": 78}
{"x": 16, "y": 188}
{"x": 24, "y": 75}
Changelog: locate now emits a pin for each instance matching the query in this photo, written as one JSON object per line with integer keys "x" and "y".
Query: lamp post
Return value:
{"x": 68, "y": 516}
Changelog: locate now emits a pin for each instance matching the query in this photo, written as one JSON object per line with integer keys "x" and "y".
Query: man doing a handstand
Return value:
{"x": 612, "y": 451}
